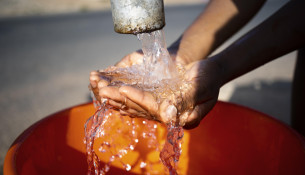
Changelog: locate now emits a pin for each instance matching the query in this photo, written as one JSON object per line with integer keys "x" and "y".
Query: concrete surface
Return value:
{"x": 45, "y": 64}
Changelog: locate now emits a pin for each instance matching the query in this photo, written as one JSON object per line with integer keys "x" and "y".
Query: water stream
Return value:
{"x": 157, "y": 74}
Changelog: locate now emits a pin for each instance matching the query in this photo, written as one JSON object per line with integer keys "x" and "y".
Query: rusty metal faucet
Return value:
{"x": 137, "y": 16}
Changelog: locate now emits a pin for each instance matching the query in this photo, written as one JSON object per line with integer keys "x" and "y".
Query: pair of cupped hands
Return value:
{"x": 203, "y": 78}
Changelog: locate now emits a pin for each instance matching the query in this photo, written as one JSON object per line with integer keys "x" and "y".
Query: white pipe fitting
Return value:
{"x": 137, "y": 16}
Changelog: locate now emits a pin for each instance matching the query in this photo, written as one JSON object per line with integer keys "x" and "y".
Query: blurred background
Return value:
{"x": 49, "y": 47}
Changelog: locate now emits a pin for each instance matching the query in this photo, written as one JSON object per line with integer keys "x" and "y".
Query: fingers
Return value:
{"x": 131, "y": 59}
{"x": 198, "y": 113}
{"x": 96, "y": 82}
{"x": 133, "y": 113}
{"x": 144, "y": 99}
{"x": 94, "y": 78}
{"x": 168, "y": 112}
{"x": 111, "y": 92}
{"x": 115, "y": 104}
{"x": 120, "y": 101}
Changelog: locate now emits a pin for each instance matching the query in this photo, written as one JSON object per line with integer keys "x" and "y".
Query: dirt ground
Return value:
{"x": 12, "y": 8}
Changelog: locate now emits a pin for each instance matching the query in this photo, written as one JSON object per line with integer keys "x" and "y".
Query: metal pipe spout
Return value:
{"x": 137, "y": 16}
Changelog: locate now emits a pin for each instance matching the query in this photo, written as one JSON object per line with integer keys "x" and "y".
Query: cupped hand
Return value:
{"x": 131, "y": 59}
{"x": 201, "y": 94}
{"x": 203, "y": 79}
{"x": 97, "y": 81}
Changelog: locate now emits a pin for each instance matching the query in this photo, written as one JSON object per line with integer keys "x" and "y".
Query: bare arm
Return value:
{"x": 219, "y": 21}
{"x": 277, "y": 36}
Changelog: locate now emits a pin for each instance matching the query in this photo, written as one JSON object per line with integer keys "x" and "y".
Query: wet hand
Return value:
{"x": 206, "y": 79}
{"x": 201, "y": 95}
{"x": 131, "y": 59}
{"x": 203, "y": 77}
{"x": 97, "y": 81}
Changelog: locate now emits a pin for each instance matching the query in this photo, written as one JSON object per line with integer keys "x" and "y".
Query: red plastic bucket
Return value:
{"x": 231, "y": 139}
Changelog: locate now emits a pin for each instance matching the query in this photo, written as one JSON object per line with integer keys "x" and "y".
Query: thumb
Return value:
{"x": 198, "y": 113}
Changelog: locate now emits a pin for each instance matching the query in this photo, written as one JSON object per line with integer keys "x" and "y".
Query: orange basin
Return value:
{"x": 231, "y": 139}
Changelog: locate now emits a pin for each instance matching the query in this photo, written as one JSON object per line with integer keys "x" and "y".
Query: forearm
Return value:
{"x": 277, "y": 36}
{"x": 219, "y": 21}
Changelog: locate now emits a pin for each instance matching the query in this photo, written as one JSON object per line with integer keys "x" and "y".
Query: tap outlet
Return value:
{"x": 137, "y": 16}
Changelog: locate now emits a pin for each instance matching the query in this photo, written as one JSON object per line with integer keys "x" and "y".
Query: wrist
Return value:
{"x": 176, "y": 55}
{"x": 220, "y": 69}
{"x": 186, "y": 51}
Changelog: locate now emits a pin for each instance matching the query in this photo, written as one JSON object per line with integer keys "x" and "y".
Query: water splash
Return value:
{"x": 162, "y": 78}
{"x": 115, "y": 135}
{"x": 112, "y": 145}
{"x": 172, "y": 149}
